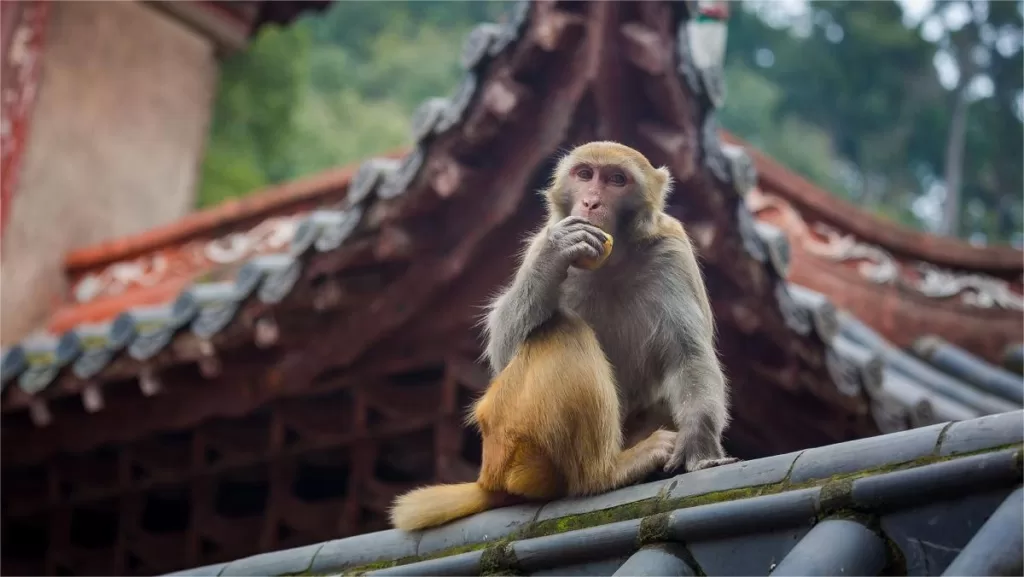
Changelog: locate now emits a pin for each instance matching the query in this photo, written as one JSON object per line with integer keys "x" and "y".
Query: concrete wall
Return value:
{"x": 114, "y": 148}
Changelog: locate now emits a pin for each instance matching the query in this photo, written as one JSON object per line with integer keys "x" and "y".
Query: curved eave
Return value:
{"x": 1004, "y": 262}
{"x": 899, "y": 298}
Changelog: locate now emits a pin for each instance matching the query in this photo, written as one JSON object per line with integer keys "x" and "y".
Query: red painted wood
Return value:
{"x": 24, "y": 31}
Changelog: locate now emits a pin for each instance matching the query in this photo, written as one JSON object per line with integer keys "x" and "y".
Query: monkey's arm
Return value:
{"x": 534, "y": 293}
{"x": 695, "y": 384}
{"x": 523, "y": 306}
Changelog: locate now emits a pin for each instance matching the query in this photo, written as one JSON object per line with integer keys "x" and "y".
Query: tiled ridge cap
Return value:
{"x": 867, "y": 475}
{"x": 261, "y": 203}
{"x": 898, "y": 239}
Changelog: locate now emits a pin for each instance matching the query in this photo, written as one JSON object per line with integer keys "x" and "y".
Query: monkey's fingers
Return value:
{"x": 581, "y": 227}
{"x": 582, "y": 252}
{"x": 596, "y": 262}
{"x": 598, "y": 242}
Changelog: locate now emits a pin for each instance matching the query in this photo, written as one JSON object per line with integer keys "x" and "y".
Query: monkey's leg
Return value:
{"x": 625, "y": 467}
{"x": 533, "y": 475}
{"x": 643, "y": 458}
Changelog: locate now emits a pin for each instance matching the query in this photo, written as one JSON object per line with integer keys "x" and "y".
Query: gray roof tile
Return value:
{"x": 462, "y": 564}
{"x": 745, "y": 554}
{"x": 996, "y": 548}
{"x": 741, "y": 474}
{"x": 601, "y": 568}
{"x": 917, "y": 369}
{"x": 486, "y": 526}
{"x": 204, "y": 571}
{"x": 928, "y": 546}
{"x": 743, "y": 516}
{"x": 659, "y": 559}
{"x": 294, "y": 560}
{"x": 970, "y": 368}
{"x": 608, "y": 500}
{"x": 360, "y": 550}
{"x": 12, "y": 363}
{"x": 613, "y": 539}
{"x": 835, "y": 547}
{"x": 987, "y": 431}
{"x": 823, "y": 462}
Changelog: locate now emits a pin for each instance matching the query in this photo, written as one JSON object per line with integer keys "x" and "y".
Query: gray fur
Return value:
{"x": 649, "y": 307}
{"x": 534, "y": 293}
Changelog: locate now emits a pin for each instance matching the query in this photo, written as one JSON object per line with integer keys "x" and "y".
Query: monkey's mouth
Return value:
{"x": 599, "y": 218}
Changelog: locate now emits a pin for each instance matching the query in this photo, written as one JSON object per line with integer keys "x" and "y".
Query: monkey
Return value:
{"x": 582, "y": 354}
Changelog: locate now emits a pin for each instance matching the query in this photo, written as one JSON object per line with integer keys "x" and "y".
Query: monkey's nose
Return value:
{"x": 591, "y": 203}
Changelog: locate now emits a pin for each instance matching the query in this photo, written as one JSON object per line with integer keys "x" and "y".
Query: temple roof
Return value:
{"x": 943, "y": 499}
{"x": 424, "y": 223}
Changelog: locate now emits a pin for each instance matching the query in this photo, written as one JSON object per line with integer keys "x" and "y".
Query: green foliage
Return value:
{"x": 867, "y": 84}
{"x": 331, "y": 89}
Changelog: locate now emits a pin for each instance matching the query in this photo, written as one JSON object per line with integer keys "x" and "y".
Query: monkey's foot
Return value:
{"x": 661, "y": 444}
{"x": 709, "y": 463}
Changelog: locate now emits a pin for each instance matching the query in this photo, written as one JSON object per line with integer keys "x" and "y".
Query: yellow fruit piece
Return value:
{"x": 596, "y": 263}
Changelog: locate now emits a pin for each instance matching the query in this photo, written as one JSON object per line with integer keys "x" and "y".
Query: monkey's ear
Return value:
{"x": 665, "y": 182}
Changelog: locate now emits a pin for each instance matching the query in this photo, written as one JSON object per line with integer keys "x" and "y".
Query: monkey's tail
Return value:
{"x": 436, "y": 505}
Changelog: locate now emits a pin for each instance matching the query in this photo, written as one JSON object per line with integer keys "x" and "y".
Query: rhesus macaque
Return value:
{"x": 588, "y": 344}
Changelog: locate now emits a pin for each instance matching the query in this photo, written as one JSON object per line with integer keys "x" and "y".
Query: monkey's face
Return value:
{"x": 604, "y": 194}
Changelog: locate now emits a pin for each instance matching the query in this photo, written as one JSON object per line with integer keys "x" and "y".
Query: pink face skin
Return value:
{"x": 597, "y": 193}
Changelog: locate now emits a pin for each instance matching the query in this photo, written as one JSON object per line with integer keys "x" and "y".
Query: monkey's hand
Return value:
{"x": 573, "y": 239}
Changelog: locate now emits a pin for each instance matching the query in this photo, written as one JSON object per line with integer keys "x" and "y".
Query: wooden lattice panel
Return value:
{"x": 298, "y": 471}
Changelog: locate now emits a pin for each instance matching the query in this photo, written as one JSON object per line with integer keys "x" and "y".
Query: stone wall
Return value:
{"x": 114, "y": 147}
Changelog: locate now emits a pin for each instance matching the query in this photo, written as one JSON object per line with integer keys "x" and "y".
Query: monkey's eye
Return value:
{"x": 584, "y": 173}
{"x": 617, "y": 179}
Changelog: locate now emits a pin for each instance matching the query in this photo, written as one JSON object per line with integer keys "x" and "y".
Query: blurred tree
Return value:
{"x": 979, "y": 43}
{"x": 875, "y": 85}
{"x": 258, "y": 94}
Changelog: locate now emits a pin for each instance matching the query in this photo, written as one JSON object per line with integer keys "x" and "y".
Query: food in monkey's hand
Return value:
{"x": 596, "y": 263}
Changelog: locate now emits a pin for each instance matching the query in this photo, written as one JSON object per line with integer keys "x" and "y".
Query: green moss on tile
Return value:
{"x": 499, "y": 560}
{"x": 625, "y": 512}
{"x": 896, "y": 562}
{"x": 653, "y": 529}
{"x": 721, "y": 496}
{"x": 382, "y": 564}
{"x": 835, "y": 496}
{"x": 385, "y": 564}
